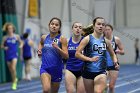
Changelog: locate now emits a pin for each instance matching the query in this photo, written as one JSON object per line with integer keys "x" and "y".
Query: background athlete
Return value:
{"x": 27, "y": 55}
{"x": 74, "y": 66}
{"x": 118, "y": 49}
{"x": 10, "y": 45}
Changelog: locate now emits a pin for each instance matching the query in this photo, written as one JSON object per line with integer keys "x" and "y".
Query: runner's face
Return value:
{"x": 10, "y": 29}
{"x": 99, "y": 26}
{"x": 54, "y": 26}
{"x": 108, "y": 31}
{"x": 77, "y": 29}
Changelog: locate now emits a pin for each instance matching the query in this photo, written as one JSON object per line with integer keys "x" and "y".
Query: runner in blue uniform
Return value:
{"x": 118, "y": 49}
{"x": 10, "y": 45}
{"x": 52, "y": 48}
{"x": 94, "y": 46}
{"x": 74, "y": 66}
{"x": 27, "y": 55}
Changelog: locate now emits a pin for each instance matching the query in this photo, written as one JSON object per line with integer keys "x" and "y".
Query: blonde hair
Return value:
{"x": 88, "y": 30}
{"x": 5, "y": 26}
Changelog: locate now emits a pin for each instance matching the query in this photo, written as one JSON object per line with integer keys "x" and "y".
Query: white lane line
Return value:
{"x": 127, "y": 83}
{"x": 39, "y": 91}
{"x": 128, "y": 76}
{"x": 133, "y": 91}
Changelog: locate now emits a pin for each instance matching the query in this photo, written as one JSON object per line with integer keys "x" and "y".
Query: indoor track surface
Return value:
{"x": 127, "y": 82}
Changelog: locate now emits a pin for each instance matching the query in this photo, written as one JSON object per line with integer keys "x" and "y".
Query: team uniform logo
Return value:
{"x": 113, "y": 45}
{"x": 99, "y": 48}
{"x": 55, "y": 40}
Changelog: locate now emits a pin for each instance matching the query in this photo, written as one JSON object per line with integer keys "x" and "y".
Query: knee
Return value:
{"x": 71, "y": 90}
{"x": 13, "y": 69}
{"x": 46, "y": 90}
{"x": 81, "y": 90}
{"x": 98, "y": 91}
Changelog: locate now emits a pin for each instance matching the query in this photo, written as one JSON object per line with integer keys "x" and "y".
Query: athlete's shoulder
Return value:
{"x": 85, "y": 40}
{"x": 43, "y": 37}
{"x": 63, "y": 38}
{"x": 117, "y": 39}
{"x": 16, "y": 36}
{"x": 4, "y": 38}
{"x": 30, "y": 41}
{"x": 87, "y": 37}
{"x": 68, "y": 39}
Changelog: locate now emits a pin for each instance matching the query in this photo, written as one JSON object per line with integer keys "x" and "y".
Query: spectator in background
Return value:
{"x": 136, "y": 50}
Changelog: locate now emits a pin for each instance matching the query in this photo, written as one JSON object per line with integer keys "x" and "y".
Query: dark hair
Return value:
{"x": 94, "y": 21}
{"x": 60, "y": 23}
{"x": 25, "y": 35}
{"x": 89, "y": 29}
{"x": 109, "y": 25}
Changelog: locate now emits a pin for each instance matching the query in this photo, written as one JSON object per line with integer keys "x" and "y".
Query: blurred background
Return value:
{"x": 34, "y": 15}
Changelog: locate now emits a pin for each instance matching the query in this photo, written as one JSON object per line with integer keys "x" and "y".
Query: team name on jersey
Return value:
{"x": 47, "y": 45}
{"x": 55, "y": 40}
{"x": 99, "y": 48}
{"x": 72, "y": 48}
{"x": 11, "y": 41}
